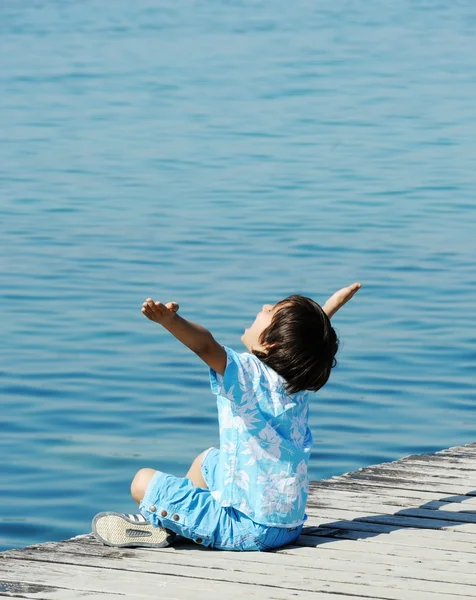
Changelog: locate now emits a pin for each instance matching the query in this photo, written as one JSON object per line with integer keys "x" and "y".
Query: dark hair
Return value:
{"x": 300, "y": 344}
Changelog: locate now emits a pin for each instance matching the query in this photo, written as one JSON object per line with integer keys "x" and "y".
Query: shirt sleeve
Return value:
{"x": 241, "y": 376}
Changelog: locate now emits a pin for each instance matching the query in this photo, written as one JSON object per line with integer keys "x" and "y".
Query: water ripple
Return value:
{"x": 138, "y": 161}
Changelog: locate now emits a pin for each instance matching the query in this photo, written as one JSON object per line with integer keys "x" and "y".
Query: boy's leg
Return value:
{"x": 143, "y": 476}
{"x": 121, "y": 530}
{"x": 195, "y": 472}
{"x": 140, "y": 482}
{"x": 117, "y": 529}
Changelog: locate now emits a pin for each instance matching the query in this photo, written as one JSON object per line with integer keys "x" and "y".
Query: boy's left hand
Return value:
{"x": 158, "y": 312}
{"x": 340, "y": 298}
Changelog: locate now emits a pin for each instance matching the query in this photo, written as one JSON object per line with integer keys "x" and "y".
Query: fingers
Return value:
{"x": 351, "y": 290}
{"x": 346, "y": 293}
{"x": 149, "y": 308}
{"x": 156, "y": 311}
{"x": 173, "y": 306}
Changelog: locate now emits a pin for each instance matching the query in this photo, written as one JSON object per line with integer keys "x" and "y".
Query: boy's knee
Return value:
{"x": 140, "y": 482}
{"x": 199, "y": 459}
{"x": 195, "y": 472}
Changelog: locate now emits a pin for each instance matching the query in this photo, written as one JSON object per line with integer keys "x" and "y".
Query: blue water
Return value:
{"x": 225, "y": 154}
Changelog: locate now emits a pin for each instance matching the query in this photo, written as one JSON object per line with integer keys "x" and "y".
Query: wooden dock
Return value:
{"x": 404, "y": 530}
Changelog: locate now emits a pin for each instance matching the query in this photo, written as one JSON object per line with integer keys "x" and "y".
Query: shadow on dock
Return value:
{"x": 431, "y": 515}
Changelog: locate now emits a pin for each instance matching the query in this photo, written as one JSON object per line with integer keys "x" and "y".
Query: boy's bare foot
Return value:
{"x": 340, "y": 298}
{"x": 158, "y": 312}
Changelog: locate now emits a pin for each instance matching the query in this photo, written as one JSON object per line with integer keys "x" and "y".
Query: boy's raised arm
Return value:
{"x": 340, "y": 298}
{"x": 194, "y": 336}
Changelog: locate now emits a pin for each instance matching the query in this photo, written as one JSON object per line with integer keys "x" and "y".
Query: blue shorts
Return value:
{"x": 174, "y": 503}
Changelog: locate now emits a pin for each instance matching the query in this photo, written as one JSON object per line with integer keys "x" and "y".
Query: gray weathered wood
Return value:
{"x": 399, "y": 531}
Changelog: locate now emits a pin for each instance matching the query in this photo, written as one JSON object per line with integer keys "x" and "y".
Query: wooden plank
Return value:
{"x": 371, "y": 545}
{"x": 465, "y": 458}
{"x": 322, "y": 535}
{"x": 374, "y": 548}
{"x": 404, "y": 484}
{"x": 431, "y": 461}
{"x": 422, "y": 480}
{"x": 369, "y": 529}
{"x": 383, "y": 495}
{"x": 253, "y": 585}
{"x": 62, "y": 594}
{"x": 447, "y": 461}
{"x": 49, "y": 592}
{"x": 365, "y": 547}
{"x": 454, "y": 517}
{"x": 399, "y": 497}
{"x": 329, "y": 515}
{"x": 373, "y": 534}
{"x": 421, "y": 474}
{"x": 357, "y": 530}
{"x": 370, "y": 489}
{"x": 331, "y": 486}
{"x": 144, "y": 585}
{"x": 262, "y": 562}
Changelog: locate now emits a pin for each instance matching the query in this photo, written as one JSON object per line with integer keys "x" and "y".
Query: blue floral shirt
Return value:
{"x": 265, "y": 442}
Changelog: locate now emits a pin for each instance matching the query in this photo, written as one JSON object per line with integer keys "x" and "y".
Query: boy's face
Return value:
{"x": 250, "y": 337}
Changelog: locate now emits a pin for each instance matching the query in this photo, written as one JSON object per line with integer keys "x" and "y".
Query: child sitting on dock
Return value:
{"x": 251, "y": 492}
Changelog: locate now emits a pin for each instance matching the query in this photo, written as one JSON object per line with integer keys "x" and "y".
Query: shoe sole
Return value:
{"x": 113, "y": 529}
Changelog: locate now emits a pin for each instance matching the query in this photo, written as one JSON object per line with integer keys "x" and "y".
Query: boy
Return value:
{"x": 250, "y": 494}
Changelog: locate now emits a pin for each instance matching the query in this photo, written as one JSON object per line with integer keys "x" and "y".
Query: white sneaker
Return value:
{"x": 121, "y": 531}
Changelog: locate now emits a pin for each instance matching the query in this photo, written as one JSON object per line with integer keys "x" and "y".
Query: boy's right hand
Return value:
{"x": 158, "y": 312}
